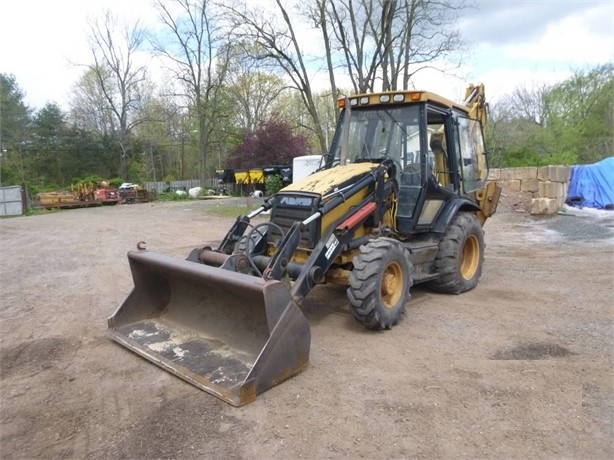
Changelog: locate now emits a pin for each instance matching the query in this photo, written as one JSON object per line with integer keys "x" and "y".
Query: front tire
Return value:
{"x": 379, "y": 283}
{"x": 460, "y": 256}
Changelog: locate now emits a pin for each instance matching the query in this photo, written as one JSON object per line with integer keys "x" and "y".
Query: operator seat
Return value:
{"x": 442, "y": 176}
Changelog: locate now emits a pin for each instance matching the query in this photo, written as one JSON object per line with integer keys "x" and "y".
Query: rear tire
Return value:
{"x": 379, "y": 283}
{"x": 460, "y": 256}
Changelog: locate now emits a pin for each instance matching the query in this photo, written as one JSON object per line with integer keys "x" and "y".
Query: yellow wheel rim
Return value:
{"x": 470, "y": 257}
{"x": 392, "y": 285}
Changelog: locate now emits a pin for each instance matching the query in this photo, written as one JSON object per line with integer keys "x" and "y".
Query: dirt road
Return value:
{"x": 520, "y": 367}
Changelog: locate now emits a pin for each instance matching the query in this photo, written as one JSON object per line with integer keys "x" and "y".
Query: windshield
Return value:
{"x": 378, "y": 133}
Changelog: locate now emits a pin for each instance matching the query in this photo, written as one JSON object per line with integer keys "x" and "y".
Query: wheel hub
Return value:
{"x": 470, "y": 257}
{"x": 392, "y": 285}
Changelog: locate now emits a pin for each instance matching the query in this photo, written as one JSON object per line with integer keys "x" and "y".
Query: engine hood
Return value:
{"x": 328, "y": 180}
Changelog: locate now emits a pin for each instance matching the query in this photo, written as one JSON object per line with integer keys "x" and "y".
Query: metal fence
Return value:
{"x": 160, "y": 187}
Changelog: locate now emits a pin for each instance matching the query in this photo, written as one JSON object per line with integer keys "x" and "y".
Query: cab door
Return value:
{"x": 470, "y": 154}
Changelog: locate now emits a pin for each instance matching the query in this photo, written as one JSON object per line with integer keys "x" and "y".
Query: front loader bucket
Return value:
{"x": 230, "y": 334}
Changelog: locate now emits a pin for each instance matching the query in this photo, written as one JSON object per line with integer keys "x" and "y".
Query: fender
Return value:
{"x": 451, "y": 208}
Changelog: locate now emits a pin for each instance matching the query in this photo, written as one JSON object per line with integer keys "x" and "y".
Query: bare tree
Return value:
{"x": 253, "y": 89}
{"x": 529, "y": 103}
{"x": 430, "y": 36}
{"x": 198, "y": 54}
{"x": 119, "y": 78}
{"x": 317, "y": 12}
{"x": 373, "y": 41}
{"x": 88, "y": 106}
{"x": 387, "y": 40}
{"x": 361, "y": 50}
{"x": 274, "y": 39}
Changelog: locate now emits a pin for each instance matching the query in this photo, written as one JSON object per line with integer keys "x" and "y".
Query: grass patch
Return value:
{"x": 229, "y": 211}
{"x": 39, "y": 211}
{"x": 33, "y": 212}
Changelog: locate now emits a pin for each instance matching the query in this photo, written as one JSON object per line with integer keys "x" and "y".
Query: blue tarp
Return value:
{"x": 592, "y": 186}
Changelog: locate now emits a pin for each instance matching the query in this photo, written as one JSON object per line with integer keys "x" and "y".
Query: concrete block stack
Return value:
{"x": 521, "y": 181}
{"x": 545, "y": 188}
{"x": 552, "y": 182}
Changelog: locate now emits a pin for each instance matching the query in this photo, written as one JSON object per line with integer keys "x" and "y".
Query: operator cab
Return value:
{"x": 438, "y": 152}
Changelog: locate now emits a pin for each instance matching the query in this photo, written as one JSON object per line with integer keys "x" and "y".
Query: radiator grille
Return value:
{"x": 295, "y": 207}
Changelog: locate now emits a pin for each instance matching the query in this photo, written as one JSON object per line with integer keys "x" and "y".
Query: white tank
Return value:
{"x": 305, "y": 165}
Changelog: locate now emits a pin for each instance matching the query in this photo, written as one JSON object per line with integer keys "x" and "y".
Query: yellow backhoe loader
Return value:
{"x": 401, "y": 199}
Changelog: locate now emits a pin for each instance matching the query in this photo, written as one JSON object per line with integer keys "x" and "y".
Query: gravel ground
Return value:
{"x": 520, "y": 367}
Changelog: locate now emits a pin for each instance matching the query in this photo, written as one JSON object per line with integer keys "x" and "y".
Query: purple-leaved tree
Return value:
{"x": 272, "y": 143}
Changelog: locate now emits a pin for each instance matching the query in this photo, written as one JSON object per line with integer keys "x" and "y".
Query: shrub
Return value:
{"x": 273, "y": 184}
{"x": 172, "y": 196}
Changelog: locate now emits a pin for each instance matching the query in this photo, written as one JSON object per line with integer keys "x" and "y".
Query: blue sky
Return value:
{"x": 512, "y": 43}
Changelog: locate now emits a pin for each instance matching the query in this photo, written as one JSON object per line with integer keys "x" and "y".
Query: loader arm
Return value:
{"x": 370, "y": 210}
{"x": 237, "y": 230}
{"x": 329, "y": 247}
{"x": 281, "y": 260}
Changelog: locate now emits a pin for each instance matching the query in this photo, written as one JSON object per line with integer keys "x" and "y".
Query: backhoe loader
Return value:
{"x": 401, "y": 199}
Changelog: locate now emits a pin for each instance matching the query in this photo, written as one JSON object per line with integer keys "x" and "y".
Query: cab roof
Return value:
{"x": 398, "y": 97}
